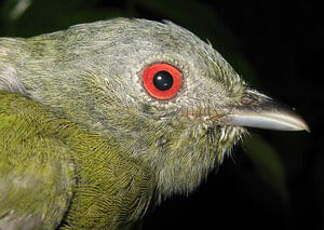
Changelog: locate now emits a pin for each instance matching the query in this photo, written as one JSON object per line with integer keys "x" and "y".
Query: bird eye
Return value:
{"x": 162, "y": 81}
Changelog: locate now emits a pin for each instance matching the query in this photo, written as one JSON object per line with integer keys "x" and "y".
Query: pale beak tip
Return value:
{"x": 306, "y": 128}
{"x": 298, "y": 123}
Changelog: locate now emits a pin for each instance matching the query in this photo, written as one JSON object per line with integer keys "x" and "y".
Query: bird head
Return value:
{"x": 168, "y": 98}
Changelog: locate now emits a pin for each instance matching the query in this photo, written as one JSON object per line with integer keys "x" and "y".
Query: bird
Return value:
{"x": 103, "y": 120}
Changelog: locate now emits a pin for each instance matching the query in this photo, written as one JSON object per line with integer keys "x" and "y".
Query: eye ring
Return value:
{"x": 162, "y": 81}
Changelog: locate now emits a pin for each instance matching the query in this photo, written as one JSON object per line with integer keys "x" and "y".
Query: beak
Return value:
{"x": 260, "y": 111}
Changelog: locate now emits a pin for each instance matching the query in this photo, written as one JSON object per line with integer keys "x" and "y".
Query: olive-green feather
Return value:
{"x": 55, "y": 174}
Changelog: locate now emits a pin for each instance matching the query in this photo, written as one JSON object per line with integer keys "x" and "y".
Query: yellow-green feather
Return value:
{"x": 53, "y": 173}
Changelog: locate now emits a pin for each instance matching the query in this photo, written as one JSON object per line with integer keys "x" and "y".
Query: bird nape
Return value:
{"x": 102, "y": 120}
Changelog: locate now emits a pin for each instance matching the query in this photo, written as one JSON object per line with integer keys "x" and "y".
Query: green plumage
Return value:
{"x": 49, "y": 165}
{"x": 84, "y": 145}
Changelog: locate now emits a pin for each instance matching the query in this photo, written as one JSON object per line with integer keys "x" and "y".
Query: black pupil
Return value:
{"x": 163, "y": 80}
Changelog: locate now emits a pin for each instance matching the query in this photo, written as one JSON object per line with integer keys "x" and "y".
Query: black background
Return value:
{"x": 278, "y": 47}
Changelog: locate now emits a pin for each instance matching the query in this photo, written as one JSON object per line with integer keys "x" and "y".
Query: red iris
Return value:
{"x": 162, "y": 81}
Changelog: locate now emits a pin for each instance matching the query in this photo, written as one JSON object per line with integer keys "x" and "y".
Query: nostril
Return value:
{"x": 248, "y": 99}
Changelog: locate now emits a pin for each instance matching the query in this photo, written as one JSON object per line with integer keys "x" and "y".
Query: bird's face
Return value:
{"x": 175, "y": 103}
{"x": 167, "y": 97}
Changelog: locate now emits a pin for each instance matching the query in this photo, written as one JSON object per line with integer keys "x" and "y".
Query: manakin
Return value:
{"x": 102, "y": 120}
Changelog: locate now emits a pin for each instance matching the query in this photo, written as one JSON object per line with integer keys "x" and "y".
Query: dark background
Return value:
{"x": 275, "y": 179}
